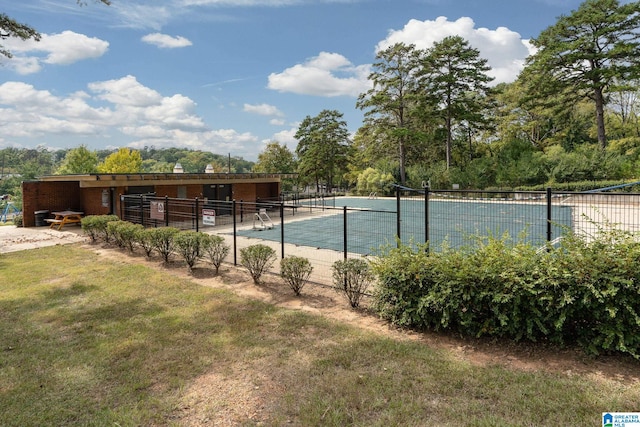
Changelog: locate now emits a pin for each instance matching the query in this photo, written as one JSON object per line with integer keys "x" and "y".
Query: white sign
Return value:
{"x": 209, "y": 216}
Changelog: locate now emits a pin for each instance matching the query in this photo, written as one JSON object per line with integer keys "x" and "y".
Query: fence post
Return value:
{"x": 282, "y": 230}
{"x": 197, "y": 219}
{"x": 398, "y": 221}
{"x": 166, "y": 211}
{"x": 142, "y": 210}
{"x": 426, "y": 216}
{"x": 344, "y": 233}
{"x": 241, "y": 211}
{"x": 235, "y": 251}
{"x": 549, "y": 236}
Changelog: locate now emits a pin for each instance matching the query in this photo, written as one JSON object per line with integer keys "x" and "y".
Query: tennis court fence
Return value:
{"x": 325, "y": 228}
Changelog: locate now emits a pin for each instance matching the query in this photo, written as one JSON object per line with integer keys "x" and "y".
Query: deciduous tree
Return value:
{"x": 275, "y": 158}
{"x": 124, "y": 160}
{"x": 79, "y": 161}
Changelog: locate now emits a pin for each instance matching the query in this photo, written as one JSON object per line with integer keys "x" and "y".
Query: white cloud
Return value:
{"x": 287, "y": 137}
{"x": 166, "y": 41}
{"x": 263, "y": 110}
{"x": 328, "y": 74}
{"x": 505, "y": 50}
{"x": 124, "y": 110}
{"x": 69, "y": 47}
{"x": 126, "y": 106}
{"x": 32, "y": 112}
{"x": 64, "y": 48}
{"x": 277, "y": 122}
{"x": 126, "y": 91}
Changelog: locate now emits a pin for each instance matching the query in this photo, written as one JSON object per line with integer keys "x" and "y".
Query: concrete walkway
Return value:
{"x": 14, "y": 238}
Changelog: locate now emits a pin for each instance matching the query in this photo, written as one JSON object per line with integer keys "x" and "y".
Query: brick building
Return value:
{"x": 99, "y": 194}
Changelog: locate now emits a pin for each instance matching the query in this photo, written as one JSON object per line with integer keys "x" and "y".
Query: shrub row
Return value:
{"x": 166, "y": 241}
{"x": 583, "y": 292}
{"x": 351, "y": 276}
{"x": 582, "y": 186}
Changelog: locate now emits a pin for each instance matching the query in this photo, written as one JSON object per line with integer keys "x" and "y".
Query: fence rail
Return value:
{"x": 325, "y": 229}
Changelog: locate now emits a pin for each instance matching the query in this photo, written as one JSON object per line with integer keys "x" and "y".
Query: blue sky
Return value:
{"x": 225, "y": 76}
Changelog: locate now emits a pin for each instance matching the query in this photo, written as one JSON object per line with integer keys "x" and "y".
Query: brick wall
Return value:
{"x": 245, "y": 192}
{"x": 51, "y": 196}
{"x": 91, "y": 200}
{"x": 63, "y": 195}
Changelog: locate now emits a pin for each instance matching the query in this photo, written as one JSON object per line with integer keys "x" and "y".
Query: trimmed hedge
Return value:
{"x": 95, "y": 226}
{"x": 582, "y": 186}
{"x": 215, "y": 250}
{"x": 257, "y": 259}
{"x": 295, "y": 271}
{"x": 189, "y": 245}
{"x": 582, "y": 292}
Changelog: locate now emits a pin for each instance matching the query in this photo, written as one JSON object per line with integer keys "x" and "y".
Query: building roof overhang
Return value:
{"x": 142, "y": 179}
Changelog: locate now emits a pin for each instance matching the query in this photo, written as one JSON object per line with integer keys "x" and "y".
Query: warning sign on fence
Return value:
{"x": 157, "y": 210}
{"x": 209, "y": 216}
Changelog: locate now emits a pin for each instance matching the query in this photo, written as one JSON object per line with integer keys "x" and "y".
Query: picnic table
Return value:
{"x": 63, "y": 218}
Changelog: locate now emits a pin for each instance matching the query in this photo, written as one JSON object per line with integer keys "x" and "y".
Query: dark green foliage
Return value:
{"x": 123, "y": 233}
{"x": 582, "y": 292}
{"x": 295, "y": 271}
{"x": 129, "y": 233}
{"x": 257, "y": 259}
{"x": 584, "y": 186}
{"x": 351, "y": 277}
{"x": 189, "y": 245}
{"x": 163, "y": 241}
{"x": 215, "y": 249}
{"x": 323, "y": 148}
{"x": 143, "y": 237}
{"x": 114, "y": 233}
{"x": 95, "y": 226}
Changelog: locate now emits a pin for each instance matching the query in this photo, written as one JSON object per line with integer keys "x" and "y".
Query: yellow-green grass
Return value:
{"x": 88, "y": 341}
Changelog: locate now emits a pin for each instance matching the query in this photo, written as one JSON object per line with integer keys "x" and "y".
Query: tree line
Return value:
{"x": 432, "y": 115}
{"x": 20, "y": 164}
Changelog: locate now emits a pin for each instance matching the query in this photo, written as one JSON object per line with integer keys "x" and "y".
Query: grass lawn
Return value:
{"x": 90, "y": 341}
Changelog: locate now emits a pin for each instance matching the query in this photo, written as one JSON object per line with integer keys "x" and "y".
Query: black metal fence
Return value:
{"x": 325, "y": 228}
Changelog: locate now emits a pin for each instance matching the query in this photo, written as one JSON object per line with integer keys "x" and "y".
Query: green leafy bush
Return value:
{"x": 189, "y": 244}
{"x": 129, "y": 234}
{"x": 95, "y": 226}
{"x": 351, "y": 277}
{"x": 257, "y": 259}
{"x": 295, "y": 271}
{"x": 583, "y": 292}
{"x": 17, "y": 220}
{"x": 143, "y": 237}
{"x": 163, "y": 241}
{"x": 123, "y": 233}
{"x": 215, "y": 249}
{"x": 113, "y": 230}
